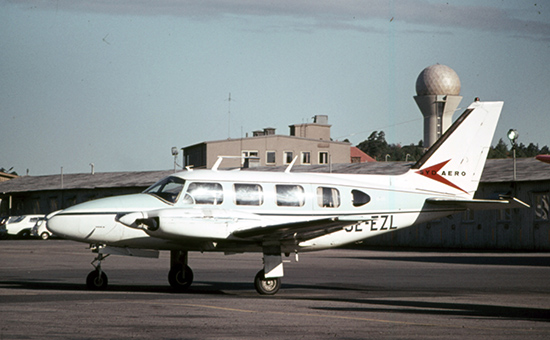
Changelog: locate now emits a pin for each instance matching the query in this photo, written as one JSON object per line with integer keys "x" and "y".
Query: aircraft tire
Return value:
{"x": 180, "y": 277}
{"x": 266, "y": 286}
{"x": 95, "y": 282}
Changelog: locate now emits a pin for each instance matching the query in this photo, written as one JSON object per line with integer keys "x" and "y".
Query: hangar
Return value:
{"x": 510, "y": 229}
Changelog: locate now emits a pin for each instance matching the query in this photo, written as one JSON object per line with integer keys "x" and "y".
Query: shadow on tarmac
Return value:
{"x": 525, "y": 261}
{"x": 450, "y": 309}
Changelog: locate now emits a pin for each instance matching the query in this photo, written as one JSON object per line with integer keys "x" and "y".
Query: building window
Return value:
{"x": 248, "y": 194}
{"x": 468, "y": 215}
{"x": 290, "y": 195}
{"x": 306, "y": 157}
{"x": 505, "y": 214}
{"x": 542, "y": 206}
{"x": 328, "y": 197}
{"x": 249, "y": 157}
{"x": 323, "y": 157}
{"x": 270, "y": 157}
{"x": 289, "y": 155}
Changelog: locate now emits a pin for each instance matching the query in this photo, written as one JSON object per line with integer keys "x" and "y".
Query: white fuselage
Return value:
{"x": 211, "y": 205}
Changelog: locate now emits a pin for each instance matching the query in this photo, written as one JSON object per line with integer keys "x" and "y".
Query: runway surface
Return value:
{"x": 334, "y": 294}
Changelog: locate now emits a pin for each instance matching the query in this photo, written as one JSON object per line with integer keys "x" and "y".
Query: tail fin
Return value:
{"x": 455, "y": 162}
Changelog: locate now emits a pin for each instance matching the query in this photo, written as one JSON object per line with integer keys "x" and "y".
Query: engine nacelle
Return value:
{"x": 177, "y": 223}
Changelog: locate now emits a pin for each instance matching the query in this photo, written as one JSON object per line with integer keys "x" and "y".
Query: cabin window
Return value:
{"x": 290, "y": 195}
{"x": 359, "y": 198}
{"x": 204, "y": 193}
{"x": 328, "y": 197}
{"x": 168, "y": 188}
{"x": 248, "y": 194}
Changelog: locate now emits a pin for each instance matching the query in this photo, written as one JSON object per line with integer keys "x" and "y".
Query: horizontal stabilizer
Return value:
{"x": 479, "y": 204}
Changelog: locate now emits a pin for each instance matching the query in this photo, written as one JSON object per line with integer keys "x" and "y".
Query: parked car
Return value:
{"x": 21, "y": 226}
{"x": 40, "y": 230}
{"x": 3, "y": 230}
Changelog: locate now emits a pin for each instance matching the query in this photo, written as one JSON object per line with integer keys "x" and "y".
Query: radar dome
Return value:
{"x": 438, "y": 80}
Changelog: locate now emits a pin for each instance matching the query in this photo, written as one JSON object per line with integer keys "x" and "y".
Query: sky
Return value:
{"x": 119, "y": 83}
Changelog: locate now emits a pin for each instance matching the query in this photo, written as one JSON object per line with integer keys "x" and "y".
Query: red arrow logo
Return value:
{"x": 432, "y": 173}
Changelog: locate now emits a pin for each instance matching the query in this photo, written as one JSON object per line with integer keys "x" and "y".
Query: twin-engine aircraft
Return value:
{"x": 286, "y": 212}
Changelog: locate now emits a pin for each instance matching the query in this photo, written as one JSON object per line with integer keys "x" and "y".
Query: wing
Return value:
{"x": 478, "y": 204}
{"x": 296, "y": 230}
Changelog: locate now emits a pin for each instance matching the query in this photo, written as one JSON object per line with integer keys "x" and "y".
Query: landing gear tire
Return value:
{"x": 266, "y": 286}
{"x": 180, "y": 277}
{"x": 95, "y": 281}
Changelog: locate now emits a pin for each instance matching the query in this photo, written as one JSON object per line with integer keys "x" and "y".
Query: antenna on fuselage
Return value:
{"x": 287, "y": 170}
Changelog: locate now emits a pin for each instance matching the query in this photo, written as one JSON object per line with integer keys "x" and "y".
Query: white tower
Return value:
{"x": 438, "y": 96}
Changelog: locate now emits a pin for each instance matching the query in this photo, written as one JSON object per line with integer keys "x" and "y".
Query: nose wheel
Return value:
{"x": 97, "y": 279}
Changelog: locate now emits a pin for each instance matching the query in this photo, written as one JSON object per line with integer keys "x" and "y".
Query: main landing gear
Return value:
{"x": 266, "y": 286}
{"x": 180, "y": 275}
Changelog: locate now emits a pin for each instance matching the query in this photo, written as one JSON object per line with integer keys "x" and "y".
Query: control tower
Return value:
{"x": 437, "y": 96}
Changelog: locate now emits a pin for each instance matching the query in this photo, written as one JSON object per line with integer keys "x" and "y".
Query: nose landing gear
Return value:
{"x": 97, "y": 279}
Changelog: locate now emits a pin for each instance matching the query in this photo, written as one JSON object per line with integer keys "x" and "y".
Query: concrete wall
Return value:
{"x": 338, "y": 151}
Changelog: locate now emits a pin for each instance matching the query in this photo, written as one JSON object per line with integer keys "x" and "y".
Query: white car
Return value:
{"x": 40, "y": 230}
{"x": 21, "y": 225}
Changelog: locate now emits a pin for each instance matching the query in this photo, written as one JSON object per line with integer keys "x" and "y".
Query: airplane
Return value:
{"x": 276, "y": 213}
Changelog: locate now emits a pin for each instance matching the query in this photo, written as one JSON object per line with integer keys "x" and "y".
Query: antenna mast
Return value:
{"x": 229, "y": 116}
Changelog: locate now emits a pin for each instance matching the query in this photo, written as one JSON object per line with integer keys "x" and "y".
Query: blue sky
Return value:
{"x": 118, "y": 83}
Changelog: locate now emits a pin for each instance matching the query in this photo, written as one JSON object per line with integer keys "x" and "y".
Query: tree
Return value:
{"x": 377, "y": 147}
{"x": 499, "y": 151}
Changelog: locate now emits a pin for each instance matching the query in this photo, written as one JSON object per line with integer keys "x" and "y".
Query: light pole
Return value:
{"x": 175, "y": 154}
{"x": 513, "y": 136}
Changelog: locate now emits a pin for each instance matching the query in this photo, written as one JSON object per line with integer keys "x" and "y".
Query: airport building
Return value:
{"x": 310, "y": 142}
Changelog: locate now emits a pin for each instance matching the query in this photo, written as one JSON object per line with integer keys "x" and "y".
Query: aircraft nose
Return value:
{"x": 66, "y": 226}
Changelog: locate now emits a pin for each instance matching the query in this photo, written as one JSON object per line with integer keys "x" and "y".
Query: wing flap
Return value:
{"x": 282, "y": 231}
{"x": 479, "y": 204}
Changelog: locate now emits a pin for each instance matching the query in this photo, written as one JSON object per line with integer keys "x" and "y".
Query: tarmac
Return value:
{"x": 333, "y": 294}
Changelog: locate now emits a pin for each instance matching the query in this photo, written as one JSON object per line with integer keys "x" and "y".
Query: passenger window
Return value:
{"x": 248, "y": 194}
{"x": 290, "y": 195}
{"x": 359, "y": 198}
{"x": 204, "y": 193}
{"x": 328, "y": 197}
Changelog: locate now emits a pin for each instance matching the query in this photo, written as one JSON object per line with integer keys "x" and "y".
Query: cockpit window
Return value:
{"x": 204, "y": 193}
{"x": 168, "y": 189}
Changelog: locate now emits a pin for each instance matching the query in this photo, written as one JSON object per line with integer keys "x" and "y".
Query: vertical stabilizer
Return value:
{"x": 455, "y": 162}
